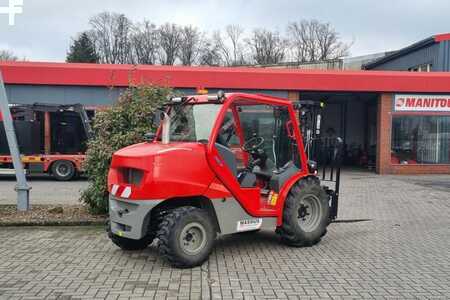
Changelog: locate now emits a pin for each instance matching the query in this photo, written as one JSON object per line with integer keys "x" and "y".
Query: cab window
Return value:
{"x": 274, "y": 125}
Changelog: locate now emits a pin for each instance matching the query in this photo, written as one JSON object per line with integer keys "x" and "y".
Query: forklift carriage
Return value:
{"x": 223, "y": 164}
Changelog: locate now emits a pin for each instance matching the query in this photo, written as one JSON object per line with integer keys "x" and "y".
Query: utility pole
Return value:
{"x": 22, "y": 188}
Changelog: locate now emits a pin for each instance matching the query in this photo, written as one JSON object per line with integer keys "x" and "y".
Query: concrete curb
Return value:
{"x": 52, "y": 223}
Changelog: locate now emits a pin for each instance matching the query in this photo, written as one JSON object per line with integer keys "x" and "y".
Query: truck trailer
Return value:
{"x": 52, "y": 139}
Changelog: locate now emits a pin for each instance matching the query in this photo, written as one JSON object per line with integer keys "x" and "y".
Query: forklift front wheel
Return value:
{"x": 186, "y": 236}
{"x": 306, "y": 214}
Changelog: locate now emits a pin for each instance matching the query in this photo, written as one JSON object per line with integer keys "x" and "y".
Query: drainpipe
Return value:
{"x": 22, "y": 188}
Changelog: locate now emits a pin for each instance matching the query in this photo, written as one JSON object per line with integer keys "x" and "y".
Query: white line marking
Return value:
{"x": 114, "y": 189}
{"x": 126, "y": 192}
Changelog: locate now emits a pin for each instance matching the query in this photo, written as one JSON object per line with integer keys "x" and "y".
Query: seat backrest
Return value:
{"x": 228, "y": 156}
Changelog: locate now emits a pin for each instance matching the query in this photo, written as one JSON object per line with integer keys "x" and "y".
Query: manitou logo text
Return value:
{"x": 430, "y": 103}
{"x": 14, "y": 8}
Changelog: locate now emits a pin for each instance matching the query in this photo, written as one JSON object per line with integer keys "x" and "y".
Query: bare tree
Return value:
{"x": 234, "y": 33}
{"x": 209, "y": 54}
{"x": 190, "y": 45}
{"x": 267, "y": 47}
{"x": 7, "y": 55}
{"x": 145, "y": 43}
{"x": 170, "y": 43}
{"x": 111, "y": 33}
{"x": 231, "y": 45}
{"x": 311, "y": 40}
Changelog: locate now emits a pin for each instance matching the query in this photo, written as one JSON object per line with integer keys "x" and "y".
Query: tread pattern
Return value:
{"x": 165, "y": 228}
{"x": 289, "y": 228}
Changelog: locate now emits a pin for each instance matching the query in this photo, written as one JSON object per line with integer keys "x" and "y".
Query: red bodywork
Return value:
{"x": 180, "y": 169}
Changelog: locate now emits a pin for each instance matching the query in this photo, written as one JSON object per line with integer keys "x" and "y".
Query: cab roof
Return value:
{"x": 220, "y": 98}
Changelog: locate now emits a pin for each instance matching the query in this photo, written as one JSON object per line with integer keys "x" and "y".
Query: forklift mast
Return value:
{"x": 325, "y": 151}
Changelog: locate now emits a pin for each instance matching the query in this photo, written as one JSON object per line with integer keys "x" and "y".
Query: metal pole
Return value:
{"x": 22, "y": 188}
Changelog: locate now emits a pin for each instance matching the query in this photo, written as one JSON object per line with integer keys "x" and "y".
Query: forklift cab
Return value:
{"x": 258, "y": 143}
{"x": 253, "y": 145}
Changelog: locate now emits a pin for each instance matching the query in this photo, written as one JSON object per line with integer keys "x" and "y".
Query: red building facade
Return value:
{"x": 400, "y": 115}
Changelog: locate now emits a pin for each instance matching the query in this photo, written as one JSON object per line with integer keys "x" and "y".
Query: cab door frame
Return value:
{"x": 250, "y": 198}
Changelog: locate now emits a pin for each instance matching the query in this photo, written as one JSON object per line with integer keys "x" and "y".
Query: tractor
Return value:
{"x": 218, "y": 164}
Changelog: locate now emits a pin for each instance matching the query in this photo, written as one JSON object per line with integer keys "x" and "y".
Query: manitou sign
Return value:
{"x": 428, "y": 103}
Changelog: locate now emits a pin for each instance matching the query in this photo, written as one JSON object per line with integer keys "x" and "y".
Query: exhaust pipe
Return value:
{"x": 165, "y": 134}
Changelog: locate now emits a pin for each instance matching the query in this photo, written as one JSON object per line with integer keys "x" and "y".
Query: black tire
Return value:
{"x": 305, "y": 215}
{"x": 63, "y": 170}
{"x": 128, "y": 244}
{"x": 186, "y": 237}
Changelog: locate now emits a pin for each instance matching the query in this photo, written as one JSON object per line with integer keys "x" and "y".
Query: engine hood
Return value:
{"x": 146, "y": 149}
{"x": 170, "y": 170}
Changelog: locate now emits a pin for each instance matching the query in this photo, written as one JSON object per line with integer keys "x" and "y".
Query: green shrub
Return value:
{"x": 118, "y": 126}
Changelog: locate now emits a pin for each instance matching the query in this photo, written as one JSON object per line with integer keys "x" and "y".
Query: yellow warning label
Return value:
{"x": 274, "y": 199}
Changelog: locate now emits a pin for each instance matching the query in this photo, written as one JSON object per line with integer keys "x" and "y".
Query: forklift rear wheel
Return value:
{"x": 305, "y": 215}
{"x": 63, "y": 170}
{"x": 186, "y": 236}
{"x": 128, "y": 244}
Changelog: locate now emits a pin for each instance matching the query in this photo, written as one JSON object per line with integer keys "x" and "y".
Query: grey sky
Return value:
{"x": 43, "y": 32}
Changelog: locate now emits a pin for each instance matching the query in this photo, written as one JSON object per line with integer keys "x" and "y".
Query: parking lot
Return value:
{"x": 392, "y": 241}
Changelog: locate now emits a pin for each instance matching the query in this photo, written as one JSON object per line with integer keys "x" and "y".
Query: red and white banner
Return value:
{"x": 428, "y": 103}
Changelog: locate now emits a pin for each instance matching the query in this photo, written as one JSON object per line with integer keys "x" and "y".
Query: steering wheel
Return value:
{"x": 253, "y": 144}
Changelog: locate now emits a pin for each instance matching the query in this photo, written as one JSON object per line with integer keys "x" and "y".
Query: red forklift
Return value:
{"x": 221, "y": 164}
{"x": 52, "y": 139}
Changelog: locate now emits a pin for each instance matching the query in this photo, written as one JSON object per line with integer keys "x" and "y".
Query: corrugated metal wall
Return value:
{"x": 427, "y": 55}
{"x": 444, "y": 56}
{"x": 89, "y": 96}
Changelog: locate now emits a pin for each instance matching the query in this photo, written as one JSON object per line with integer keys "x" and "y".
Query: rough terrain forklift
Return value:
{"x": 218, "y": 164}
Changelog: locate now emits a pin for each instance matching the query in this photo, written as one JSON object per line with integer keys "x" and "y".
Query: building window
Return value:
{"x": 421, "y": 140}
{"x": 421, "y": 68}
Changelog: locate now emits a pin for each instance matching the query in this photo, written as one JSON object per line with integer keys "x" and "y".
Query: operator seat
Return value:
{"x": 265, "y": 171}
{"x": 246, "y": 179}
{"x": 228, "y": 156}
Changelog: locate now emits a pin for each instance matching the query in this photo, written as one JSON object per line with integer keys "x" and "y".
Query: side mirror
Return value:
{"x": 158, "y": 117}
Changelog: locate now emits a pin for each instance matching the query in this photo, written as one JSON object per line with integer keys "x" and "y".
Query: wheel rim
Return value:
{"x": 309, "y": 213}
{"x": 193, "y": 238}
{"x": 63, "y": 170}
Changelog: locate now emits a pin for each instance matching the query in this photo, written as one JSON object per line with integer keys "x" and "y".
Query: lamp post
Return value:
{"x": 22, "y": 188}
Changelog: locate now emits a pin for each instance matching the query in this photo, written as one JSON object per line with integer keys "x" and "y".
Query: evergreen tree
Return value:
{"x": 82, "y": 50}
